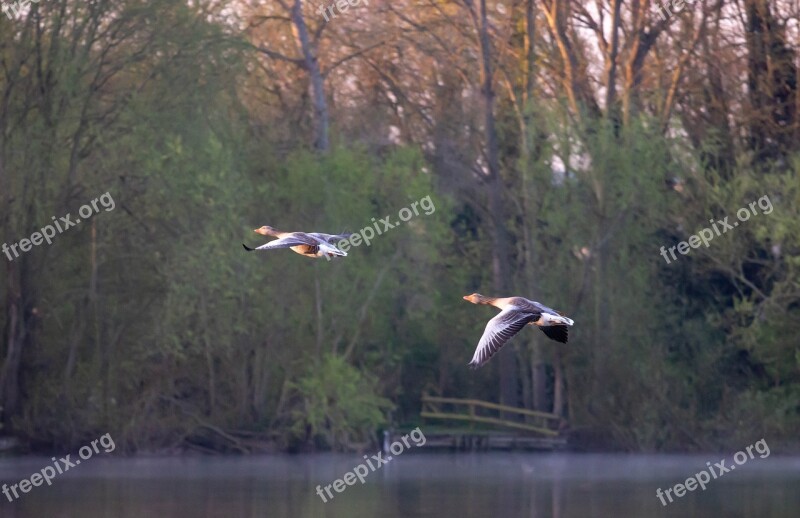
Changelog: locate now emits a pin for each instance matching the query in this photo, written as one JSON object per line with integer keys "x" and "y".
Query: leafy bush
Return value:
{"x": 335, "y": 405}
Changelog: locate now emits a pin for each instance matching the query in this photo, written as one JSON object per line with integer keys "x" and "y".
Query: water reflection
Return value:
{"x": 416, "y": 484}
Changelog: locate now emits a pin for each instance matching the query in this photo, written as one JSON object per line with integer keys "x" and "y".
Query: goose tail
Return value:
{"x": 332, "y": 250}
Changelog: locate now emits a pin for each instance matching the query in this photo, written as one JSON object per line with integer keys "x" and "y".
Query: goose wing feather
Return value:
{"x": 332, "y": 239}
{"x": 287, "y": 242}
{"x": 557, "y": 333}
{"x": 498, "y": 331}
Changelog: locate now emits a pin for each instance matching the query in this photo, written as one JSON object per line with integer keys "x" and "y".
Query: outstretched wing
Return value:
{"x": 284, "y": 242}
{"x": 498, "y": 331}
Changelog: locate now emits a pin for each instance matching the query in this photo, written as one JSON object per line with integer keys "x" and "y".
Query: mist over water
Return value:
{"x": 412, "y": 485}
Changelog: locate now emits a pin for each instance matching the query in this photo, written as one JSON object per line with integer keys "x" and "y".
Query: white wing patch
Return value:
{"x": 549, "y": 319}
{"x": 330, "y": 249}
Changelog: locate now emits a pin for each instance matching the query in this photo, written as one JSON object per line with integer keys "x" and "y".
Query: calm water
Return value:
{"x": 416, "y": 484}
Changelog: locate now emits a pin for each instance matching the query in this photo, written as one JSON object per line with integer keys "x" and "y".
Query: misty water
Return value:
{"x": 416, "y": 484}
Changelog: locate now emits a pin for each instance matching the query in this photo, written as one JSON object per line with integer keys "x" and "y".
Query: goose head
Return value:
{"x": 475, "y": 298}
{"x": 266, "y": 230}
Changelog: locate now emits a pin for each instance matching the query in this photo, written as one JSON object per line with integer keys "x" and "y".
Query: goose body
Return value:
{"x": 309, "y": 244}
{"x": 516, "y": 313}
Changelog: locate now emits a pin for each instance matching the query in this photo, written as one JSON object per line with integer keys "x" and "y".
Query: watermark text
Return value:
{"x": 360, "y": 472}
{"x": 705, "y": 235}
{"x": 702, "y": 477}
{"x": 48, "y": 232}
{"x": 47, "y": 473}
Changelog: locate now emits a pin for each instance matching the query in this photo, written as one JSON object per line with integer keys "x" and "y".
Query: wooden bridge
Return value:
{"x": 475, "y": 424}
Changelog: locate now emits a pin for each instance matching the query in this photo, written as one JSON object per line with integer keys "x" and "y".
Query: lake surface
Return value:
{"x": 415, "y": 484}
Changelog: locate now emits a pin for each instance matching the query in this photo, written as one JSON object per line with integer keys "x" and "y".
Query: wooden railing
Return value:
{"x": 543, "y": 423}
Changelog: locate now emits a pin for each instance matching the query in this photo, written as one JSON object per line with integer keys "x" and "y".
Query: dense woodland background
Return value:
{"x": 562, "y": 142}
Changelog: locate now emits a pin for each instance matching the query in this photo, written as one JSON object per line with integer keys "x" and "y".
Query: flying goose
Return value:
{"x": 517, "y": 312}
{"x": 309, "y": 244}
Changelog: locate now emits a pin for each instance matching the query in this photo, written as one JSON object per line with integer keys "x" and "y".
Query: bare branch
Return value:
{"x": 349, "y": 57}
{"x": 277, "y": 55}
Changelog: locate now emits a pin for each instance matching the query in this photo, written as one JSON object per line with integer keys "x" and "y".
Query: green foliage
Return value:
{"x": 335, "y": 405}
{"x": 151, "y": 323}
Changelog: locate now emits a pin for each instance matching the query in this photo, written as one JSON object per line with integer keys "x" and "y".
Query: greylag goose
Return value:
{"x": 517, "y": 312}
{"x": 309, "y": 244}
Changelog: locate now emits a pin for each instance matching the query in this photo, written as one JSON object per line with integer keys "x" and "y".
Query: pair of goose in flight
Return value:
{"x": 515, "y": 312}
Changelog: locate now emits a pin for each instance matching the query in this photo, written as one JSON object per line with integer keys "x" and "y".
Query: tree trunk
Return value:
{"x": 311, "y": 64}
{"x": 558, "y": 384}
{"x": 530, "y": 156}
{"x": 509, "y": 394}
{"x": 772, "y": 83}
{"x": 9, "y": 376}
